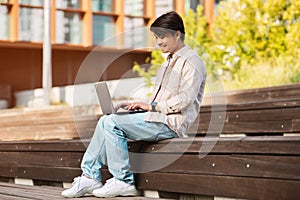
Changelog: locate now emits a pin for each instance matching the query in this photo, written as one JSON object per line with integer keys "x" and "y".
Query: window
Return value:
{"x": 31, "y": 2}
{"x": 103, "y": 30}
{"x": 68, "y": 26}
{"x": 162, "y": 7}
{"x": 104, "y": 27}
{"x": 193, "y": 4}
{"x": 134, "y": 24}
{"x": 67, "y": 4}
{"x": 102, "y": 5}
{"x": 83, "y": 22}
{"x": 134, "y": 7}
{"x": 4, "y": 22}
{"x": 135, "y": 33}
{"x": 31, "y": 20}
{"x": 31, "y": 24}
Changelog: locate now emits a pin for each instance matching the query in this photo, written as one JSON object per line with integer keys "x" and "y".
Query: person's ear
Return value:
{"x": 177, "y": 35}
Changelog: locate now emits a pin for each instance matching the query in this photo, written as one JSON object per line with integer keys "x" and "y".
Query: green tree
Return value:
{"x": 251, "y": 43}
{"x": 251, "y": 33}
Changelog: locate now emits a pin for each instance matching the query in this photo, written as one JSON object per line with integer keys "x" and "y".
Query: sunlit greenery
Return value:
{"x": 251, "y": 43}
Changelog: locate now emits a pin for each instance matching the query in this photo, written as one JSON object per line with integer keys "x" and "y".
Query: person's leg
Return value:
{"x": 117, "y": 129}
{"x": 120, "y": 127}
{"x": 95, "y": 156}
{"x": 93, "y": 160}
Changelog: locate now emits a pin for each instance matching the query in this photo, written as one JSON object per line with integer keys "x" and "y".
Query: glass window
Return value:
{"x": 104, "y": 30}
{"x": 193, "y": 4}
{"x": 68, "y": 27}
{"x": 31, "y": 24}
{"x": 32, "y": 2}
{"x": 162, "y": 7}
{"x": 68, "y": 3}
{"x": 134, "y": 7}
{"x": 102, "y": 5}
{"x": 135, "y": 33}
{"x": 4, "y": 23}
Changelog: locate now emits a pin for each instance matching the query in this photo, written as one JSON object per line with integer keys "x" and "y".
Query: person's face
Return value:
{"x": 169, "y": 43}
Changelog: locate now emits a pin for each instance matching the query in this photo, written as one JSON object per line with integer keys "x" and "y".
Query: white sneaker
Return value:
{"x": 81, "y": 186}
{"x": 114, "y": 187}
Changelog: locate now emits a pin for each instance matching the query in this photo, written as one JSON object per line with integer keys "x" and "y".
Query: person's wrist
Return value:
{"x": 153, "y": 107}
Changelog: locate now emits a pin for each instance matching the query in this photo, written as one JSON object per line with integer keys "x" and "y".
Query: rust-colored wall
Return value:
{"x": 21, "y": 65}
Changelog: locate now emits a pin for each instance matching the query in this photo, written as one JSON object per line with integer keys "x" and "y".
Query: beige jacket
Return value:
{"x": 182, "y": 81}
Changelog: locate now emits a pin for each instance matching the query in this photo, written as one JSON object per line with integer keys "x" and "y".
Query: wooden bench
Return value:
{"x": 248, "y": 167}
{"x": 260, "y": 159}
{"x": 24, "y": 192}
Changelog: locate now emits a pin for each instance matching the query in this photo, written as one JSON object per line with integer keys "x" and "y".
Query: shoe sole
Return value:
{"x": 124, "y": 194}
{"x": 81, "y": 194}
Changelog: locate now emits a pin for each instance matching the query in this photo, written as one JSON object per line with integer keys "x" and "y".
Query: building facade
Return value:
{"x": 77, "y": 26}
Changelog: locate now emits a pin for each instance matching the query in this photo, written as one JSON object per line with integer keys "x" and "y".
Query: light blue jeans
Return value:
{"x": 109, "y": 144}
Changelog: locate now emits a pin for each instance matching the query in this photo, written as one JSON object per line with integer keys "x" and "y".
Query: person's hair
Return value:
{"x": 168, "y": 23}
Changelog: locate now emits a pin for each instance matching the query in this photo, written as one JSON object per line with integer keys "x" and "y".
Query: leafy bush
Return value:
{"x": 251, "y": 43}
{"x": 255, "y": 33}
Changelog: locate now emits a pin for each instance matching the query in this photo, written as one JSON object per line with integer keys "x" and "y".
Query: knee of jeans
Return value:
{"x": 102, "y": 120}
{"x": 110, "y": 124}
{"x": 111, "y": 121}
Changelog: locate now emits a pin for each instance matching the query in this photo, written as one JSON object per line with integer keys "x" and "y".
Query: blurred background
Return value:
{"x": 246, "y": 44}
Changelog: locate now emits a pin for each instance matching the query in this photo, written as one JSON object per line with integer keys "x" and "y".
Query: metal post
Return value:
{"x": 47, "y": 68}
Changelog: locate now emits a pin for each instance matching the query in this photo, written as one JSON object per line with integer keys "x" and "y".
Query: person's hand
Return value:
{"x": 133, "y": 106}
{"x": 139, "y": 106}
{"x": 122, "y": 105}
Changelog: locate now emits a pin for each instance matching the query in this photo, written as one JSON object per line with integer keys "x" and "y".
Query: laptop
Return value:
{"x": 106, "y": 103}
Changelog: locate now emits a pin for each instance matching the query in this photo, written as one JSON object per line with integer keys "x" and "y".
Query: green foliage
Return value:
{"x": 151, "y": 69}
{"x": 252, "y": 39}
{"x": 262, "y": 74}
{"x": 197, "y": 37}
{"x": 251, "y": 43}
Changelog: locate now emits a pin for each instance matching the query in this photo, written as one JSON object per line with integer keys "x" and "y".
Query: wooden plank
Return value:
{"x": 281, "y": 92}
{"x": 57, "y": 159}
{"x": 267, "y": 127}
{"x": 65, "y": 174}
{"x": 34, "y": 195}
{"x": 48, "y": 131}
{"x": 46, "y": 173}
{"x": 252, "y": 105}
{"x": 26, "y": 120}
{"x": 11, "y": 197}
{"x": 264, "y": 115}
{"x": 215, "y": 145}
{"x": 296, "y": 125}
{"x": 277, "y": 167}
{"x": 23, "y": 192}
{"x": 258, "y": 145}
{"x": 45, "y": 145}
{"x": 17, "y": 190}
{"x": 61, "y": 122}
{"x": 226, "y": 186}
{"x": 21, "y": 116}
{"x": 275, "y": 114}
